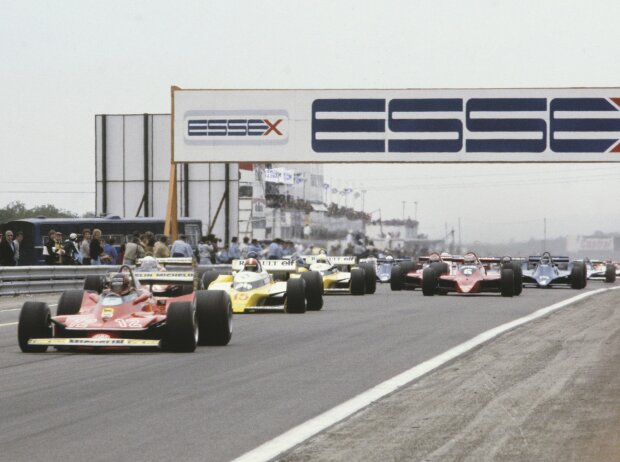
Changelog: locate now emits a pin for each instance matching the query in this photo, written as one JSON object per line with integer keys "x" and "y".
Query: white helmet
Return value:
{"x": 149, "y": 263}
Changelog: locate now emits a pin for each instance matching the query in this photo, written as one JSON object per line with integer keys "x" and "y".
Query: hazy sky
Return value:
{"x": 62, "y": 62}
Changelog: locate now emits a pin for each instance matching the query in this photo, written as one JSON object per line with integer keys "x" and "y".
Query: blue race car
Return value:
{"x": 549, "y": 271}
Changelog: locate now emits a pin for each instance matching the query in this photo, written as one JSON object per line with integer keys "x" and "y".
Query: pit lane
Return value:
{"x": 218, "y": 403}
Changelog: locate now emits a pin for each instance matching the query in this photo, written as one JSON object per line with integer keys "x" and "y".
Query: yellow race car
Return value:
{"x": 267, "y": 285}
{"x": 343, "y": 274}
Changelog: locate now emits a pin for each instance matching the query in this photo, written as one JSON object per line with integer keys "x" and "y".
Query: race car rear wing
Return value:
{"x": 336, "y": 261}
{"x": 271, "y": 266}
{"x": 165, "y": 277}
{"x": 174, "y": 261}
{"x": 536, "y": 259}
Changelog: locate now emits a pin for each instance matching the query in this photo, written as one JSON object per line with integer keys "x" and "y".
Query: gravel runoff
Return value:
{"x": 546, "y": 391}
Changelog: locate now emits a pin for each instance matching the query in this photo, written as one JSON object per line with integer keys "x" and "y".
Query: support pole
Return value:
{"x": 171, "y": 228}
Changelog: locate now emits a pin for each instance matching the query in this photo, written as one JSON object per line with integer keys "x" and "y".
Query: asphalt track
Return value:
{"x": 218, "y": 403}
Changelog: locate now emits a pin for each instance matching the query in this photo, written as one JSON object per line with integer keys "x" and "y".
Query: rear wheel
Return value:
{"x": 507, "y": 282}
{"x": 578, "y": 275}
{"x": 70, "y": 302}
{"x": 610, "y": 273}
{"x": 440, "y": 268}
{"x": 93, "y": 283}
{"x": 396, "y": 277}
{"x": 295, "y": 296}
{"x": 181, "y": 328}
{"x": 34, "y": 322}
{"x": 429, "y": 281}
{"x": 214, "y": 313}
{"x": 370, "y": 274}
{"x": 207, "y": 278}
{"x": 314, "y": 290}
{"x": 358, "y": 281}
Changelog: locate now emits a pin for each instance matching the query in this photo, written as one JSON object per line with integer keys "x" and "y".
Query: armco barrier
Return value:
{"x": 19, "y": 280}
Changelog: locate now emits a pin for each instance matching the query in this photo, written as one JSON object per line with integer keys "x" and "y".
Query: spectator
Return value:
{"x": 72, "y": 252}
{"x": 54, "y": 248}
{"x": 85, "y": 247}
{"x": 243, "y": 247}
{"x": 19, "y": 237}
{"x": 223, "y": 256}
{"x": 307, "y": 231}
{"x": 121, "y": 255}
{"x": 274, "y": 251}
{"x": 254, "y": 248}
{"x": 149, "y": 248}
{"x": 160, "y": 249}
{"x": 96, "y": 248}
{"x": 110, "y": 252}
{"x": 133, "y": 251}
{"x": 205, "y": 249}
{"x": 180, "y": 248}
{"x": 7, "y": 250}
{"x": 233, "y": 250}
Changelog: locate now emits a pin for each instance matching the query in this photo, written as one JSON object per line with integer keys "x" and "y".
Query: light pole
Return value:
{"x": 404, "y": 202}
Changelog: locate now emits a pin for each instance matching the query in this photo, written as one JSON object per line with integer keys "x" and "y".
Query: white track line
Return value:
{"x": 8, "y": 324}
{"x": 302, "y": 432}
{"x": 18, "y": 309}
{"x": 12, "y": 309}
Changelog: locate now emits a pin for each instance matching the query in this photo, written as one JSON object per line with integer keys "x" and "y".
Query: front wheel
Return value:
{"x": 295, "y": 296}
{"x": 314, "y": 290}
{"x": 610, "y": 273}
{"x": 70, "y": 302}
{"x": 429, "y": 282}
{"x": 34, "y": 322}
{"x": 358, "y": 281}
{"x": 370, "y": 275}
{"x": 507, "y": 282}
{"x": 396, "y": 278}
{"x": 578, "y": 275}
{"x": 215, "y": 315}
{"x": 181, "y": 328}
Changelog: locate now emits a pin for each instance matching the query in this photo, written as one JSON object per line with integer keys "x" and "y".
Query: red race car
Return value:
{"x": 408, "y": 275}
{"x": 472, "y": 275}
{"x": 122, "y": 313}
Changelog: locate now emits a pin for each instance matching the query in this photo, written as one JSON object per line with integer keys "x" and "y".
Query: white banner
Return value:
{"x": 484, "y": 125}
{"x": 583, "y": 243}
{"x": 279, "y": 175}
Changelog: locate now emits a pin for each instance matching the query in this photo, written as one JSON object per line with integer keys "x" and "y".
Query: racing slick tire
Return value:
{"x": 578, "y": 275}
{"x": 207, "y": 278}
{"x": 429, "y": 281}
{"x": 358, "y": 281}
{"x": 518, "y": 275}
{"x": 507, "y": 282}
{"x": 295, "y": 296}
{"x": 215, "y": 317}
{"x": 440, "y": 267}
{"x": 370, "y": 273}
{"x": 70, "y": 302}
{"x": 396, "y": 278}
{"x": 314, "y": 290}
{"x": 93, "y": 283}
{"x": 34, "y": 322}
{"x": 181, "y": 328}
{"x": 610, "y": 273}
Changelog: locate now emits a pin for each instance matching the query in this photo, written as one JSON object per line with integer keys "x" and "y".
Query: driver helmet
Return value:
{"x": 545, "y": 260}
{"x": 322, "y": 258}
{"x": 251, "y": 264}
{"x": 323, "y": 252}
{"x": 389, "y": 258}
{"x": 149, "y": 263}
{"x": 469, "y": 259}
{"x": 121, "y": 283}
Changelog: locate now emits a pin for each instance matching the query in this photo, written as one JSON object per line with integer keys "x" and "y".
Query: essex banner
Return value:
{"x": 451, "y": 125}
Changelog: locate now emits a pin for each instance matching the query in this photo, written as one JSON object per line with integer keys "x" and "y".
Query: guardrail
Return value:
{"x": 19, "y": 280}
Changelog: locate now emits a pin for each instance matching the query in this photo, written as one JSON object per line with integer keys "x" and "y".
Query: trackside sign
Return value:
{"x": 484, "y": 125}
